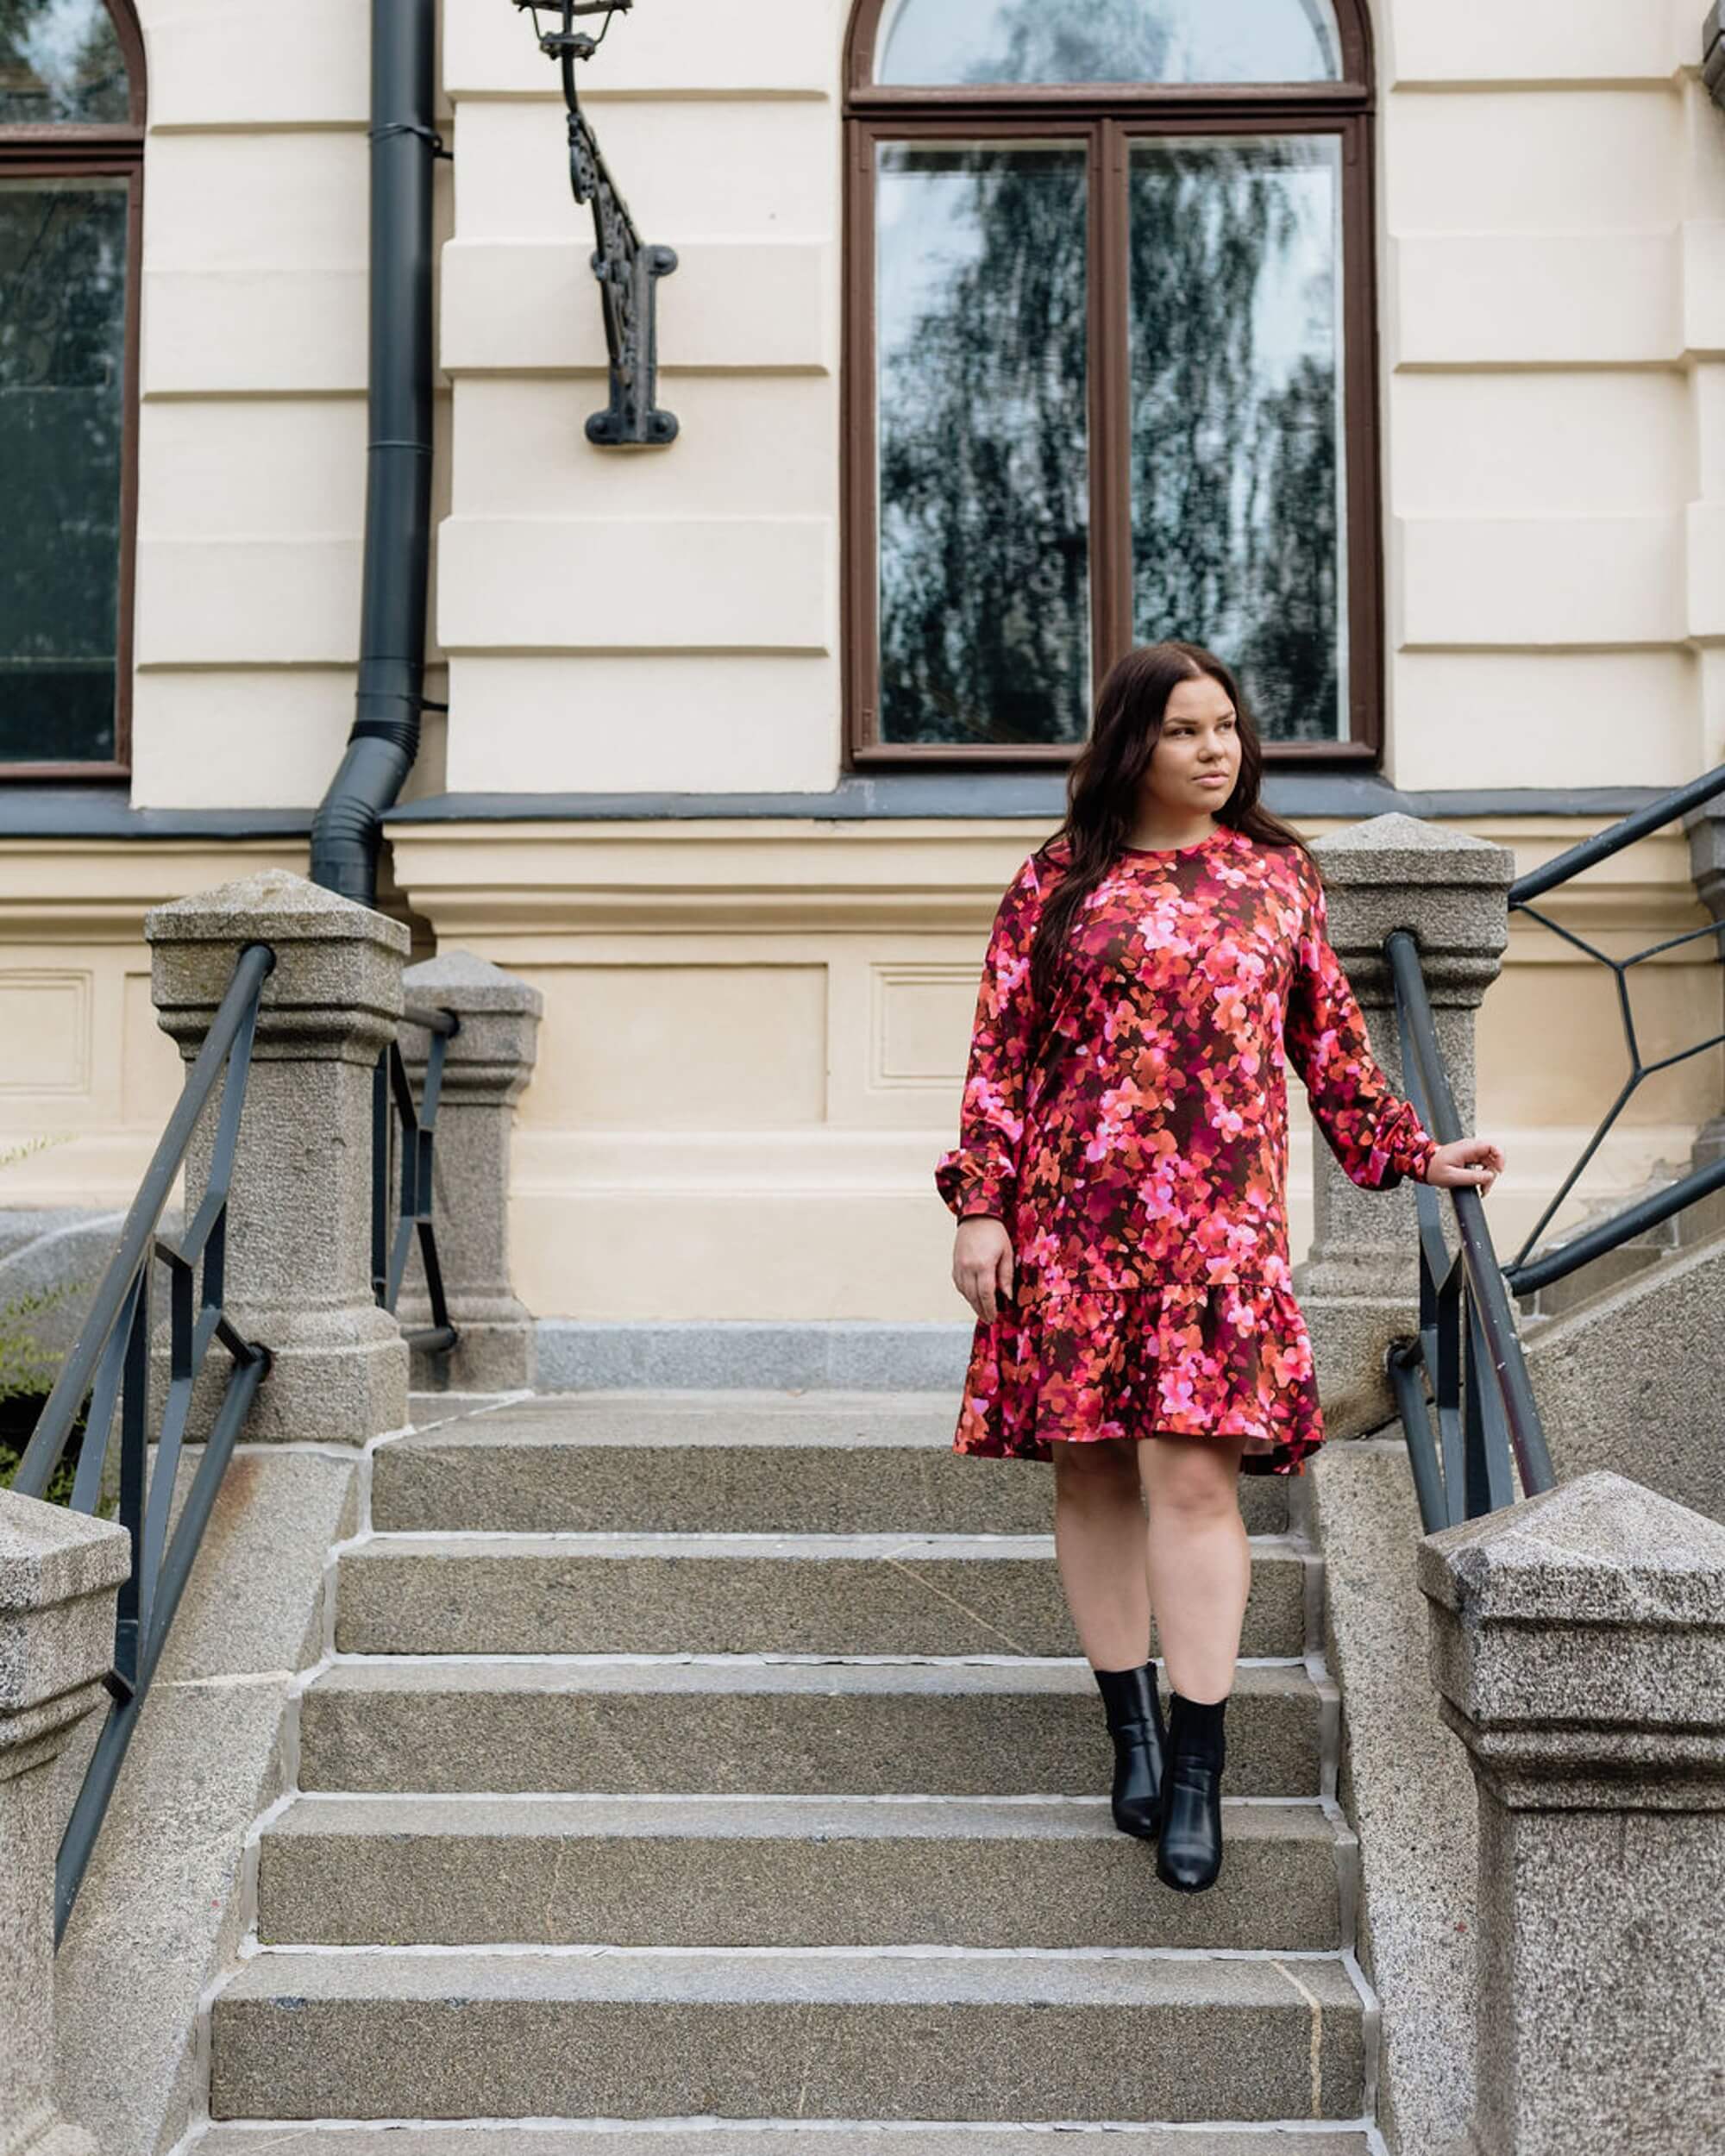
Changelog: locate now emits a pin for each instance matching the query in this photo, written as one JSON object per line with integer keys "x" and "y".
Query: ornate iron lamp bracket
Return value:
{"x": 627, "y": 270}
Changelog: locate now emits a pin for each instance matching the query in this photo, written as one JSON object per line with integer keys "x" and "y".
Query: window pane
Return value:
{"x": 979, "y": 41}
{"x": 62, "y": 383}
{"x": 982, "y": 443}
{"x": 59, "y": 60}
{"x": 1237, "y": 523}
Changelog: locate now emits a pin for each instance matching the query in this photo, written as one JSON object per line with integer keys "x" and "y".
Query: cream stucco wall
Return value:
{"x": 1551, "y": 232}
{"x": 755, "y": 1030}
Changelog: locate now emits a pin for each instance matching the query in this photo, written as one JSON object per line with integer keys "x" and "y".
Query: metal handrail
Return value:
{"x": 414, "y": 1128}
{"x": 1526, "y": 1272}
{"x": 110, "y": 1361}
{"x": 1487, "y": 1414}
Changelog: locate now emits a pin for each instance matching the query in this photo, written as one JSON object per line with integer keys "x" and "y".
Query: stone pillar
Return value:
{"x": 1359, "y": 1285}
{"x": 58, "y": 1573}
{"x": 299, "y": 1215}
{"x": 1578, "y": 1644}
{"x": 486, "y": 1070}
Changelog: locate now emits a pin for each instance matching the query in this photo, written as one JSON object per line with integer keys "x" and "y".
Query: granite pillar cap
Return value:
{"x": 1397, "y": 848}
{"x": 54, "y": 1634}
{"x": 1600, "y": 1550}
{"x": 273, "y": 905}
{"x": 462, "y": 981}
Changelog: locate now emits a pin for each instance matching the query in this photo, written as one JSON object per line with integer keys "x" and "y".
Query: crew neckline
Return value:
{"x": 1164, "y": 852}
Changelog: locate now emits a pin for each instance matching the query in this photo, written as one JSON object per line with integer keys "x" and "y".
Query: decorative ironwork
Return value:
{"x": 111, "y": 1363}
{"x": 413, "y": 1126}
{"x": 1467, "y": 1344}
{"x": 628, "y": 271}
{"x": 1526, "y": 1272}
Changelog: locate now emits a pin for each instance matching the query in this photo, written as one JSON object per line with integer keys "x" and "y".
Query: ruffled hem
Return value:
{"x": 1218, "y": 1358}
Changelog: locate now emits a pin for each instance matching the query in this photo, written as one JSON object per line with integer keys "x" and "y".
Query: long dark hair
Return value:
{"x": 1102, "y": 786}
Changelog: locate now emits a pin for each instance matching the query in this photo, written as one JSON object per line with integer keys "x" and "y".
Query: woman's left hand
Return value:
{"x": 1473, "y": 1161}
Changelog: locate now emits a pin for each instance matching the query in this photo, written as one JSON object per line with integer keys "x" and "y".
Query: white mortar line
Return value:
{"x": 1316, "y": 2053}
{"x": 670, "y": 1539}
{"x": 1346, "y": 1847}
{"x": 225, "y": 1682}
{"x": 607, "y": 1950}
{"x": 575, "y": 1798}
{"x": 707, "y": 2122}
{"x": 906, "y": 1546}
{"x": 1371, "y": 2034}
{"x": 783, "y": 1660}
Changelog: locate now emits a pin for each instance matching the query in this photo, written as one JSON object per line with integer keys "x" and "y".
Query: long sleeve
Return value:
{"x": 1376, "y": 1134}
{"x": 975, "y": 1176}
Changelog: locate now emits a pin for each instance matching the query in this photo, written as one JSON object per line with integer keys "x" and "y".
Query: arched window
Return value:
{"x": 72, "y": 136}
{"x": 1108, "y": 366}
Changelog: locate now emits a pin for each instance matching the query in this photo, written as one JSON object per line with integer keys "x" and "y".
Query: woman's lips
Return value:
{"x": 1214, "y": 777}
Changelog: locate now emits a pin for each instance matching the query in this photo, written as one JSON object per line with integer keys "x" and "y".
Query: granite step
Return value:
{"x": 915, "y": 2035}
{"x": 743, "y": 1594}
{"x": 783, "y": 1872}
{"x": 641, "y": 1727}
{"x": 778, "y": 2137}
{"x": 759, "y": 1463}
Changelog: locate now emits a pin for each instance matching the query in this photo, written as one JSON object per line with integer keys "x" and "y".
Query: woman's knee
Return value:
{"x": 1194, "y": 1479}
{"x": 1102, "y": 1471}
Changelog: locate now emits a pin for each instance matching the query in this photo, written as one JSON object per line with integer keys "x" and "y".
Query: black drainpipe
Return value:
{"x": 347, "y": 830}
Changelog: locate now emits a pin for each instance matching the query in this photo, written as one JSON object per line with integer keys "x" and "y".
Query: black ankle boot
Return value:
{"x": 1190, "y": 1854}
{"x": 1134, "y": 1715}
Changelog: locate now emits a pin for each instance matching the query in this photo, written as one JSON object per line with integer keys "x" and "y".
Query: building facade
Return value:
{"x": 1384, "y": 348}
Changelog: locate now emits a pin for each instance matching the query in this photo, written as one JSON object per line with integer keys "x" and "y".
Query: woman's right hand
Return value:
{"x": 982, "y": 1263}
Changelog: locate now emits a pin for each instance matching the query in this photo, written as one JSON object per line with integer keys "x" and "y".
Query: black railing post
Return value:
{"x": 1472, "y": 1354}
{"x": 415, "y": 1122}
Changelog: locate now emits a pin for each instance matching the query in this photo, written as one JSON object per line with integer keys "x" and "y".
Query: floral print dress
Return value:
{"x": 1133, "y": 1139}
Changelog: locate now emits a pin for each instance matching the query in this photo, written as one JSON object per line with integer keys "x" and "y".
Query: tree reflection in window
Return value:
{"x": 977, "y": 41}
{"x": 60, "y": 63}
{"x": 62, "y": 375}
{"x": 983, "y": 443}
{"x": 1214, "y": 501}
{"x": 1235, "y": 413}
{"x": 65, "y": 235}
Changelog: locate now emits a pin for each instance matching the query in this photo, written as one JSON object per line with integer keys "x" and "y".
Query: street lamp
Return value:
{"x": 627, "y": 271}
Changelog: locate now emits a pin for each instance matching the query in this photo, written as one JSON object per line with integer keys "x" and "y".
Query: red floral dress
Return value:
{"x": 1133, "y": 1138}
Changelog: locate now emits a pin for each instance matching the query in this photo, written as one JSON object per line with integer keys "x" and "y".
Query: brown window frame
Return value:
{"x": 1104, "y": 119}
{"x": 72, "y": 150}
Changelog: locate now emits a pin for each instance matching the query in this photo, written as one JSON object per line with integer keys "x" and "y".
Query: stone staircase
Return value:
{"x": 722, "y": 1765}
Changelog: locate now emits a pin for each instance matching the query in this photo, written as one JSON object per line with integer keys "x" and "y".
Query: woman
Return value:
{"x": 1119, "y": 1186}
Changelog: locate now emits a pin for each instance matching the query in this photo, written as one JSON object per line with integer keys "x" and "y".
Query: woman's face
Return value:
{"x": 1196, "y": 759}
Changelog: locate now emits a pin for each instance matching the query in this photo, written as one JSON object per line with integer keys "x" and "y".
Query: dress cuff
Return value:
{"x": 971, "y": 1185}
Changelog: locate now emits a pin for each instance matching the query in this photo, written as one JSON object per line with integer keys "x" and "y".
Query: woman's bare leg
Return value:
{"x": 1099, "y": 1543}
{"x": 1200, "y": 1558}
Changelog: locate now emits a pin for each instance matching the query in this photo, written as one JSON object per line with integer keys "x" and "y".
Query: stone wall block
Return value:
{"x": 487, "y": 1065}
{"x": 1577, "y": 1643}
{"x": 58, "y": 1570}
{"x": 299, "y": 1213}
{"x": 1359, "y": 1284}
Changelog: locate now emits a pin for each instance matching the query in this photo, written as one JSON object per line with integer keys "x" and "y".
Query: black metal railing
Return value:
{"x": 110, "y": 1364}
{"x": 1467, "y": 1347}
{"x": 407, "y": 1164}
{"x": 1528, "y": 1271}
